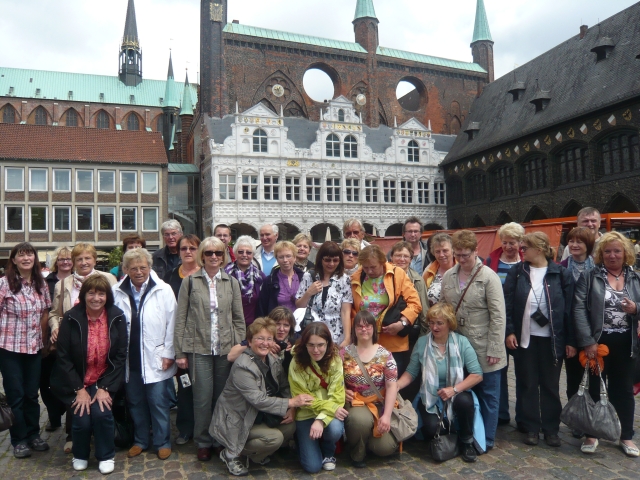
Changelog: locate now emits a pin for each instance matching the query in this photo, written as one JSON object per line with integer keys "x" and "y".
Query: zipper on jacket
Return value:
{"x": 108, "y": 355}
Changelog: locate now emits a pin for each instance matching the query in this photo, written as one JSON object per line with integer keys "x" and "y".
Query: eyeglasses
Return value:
{"x": 353, "y": 253}
{"x": 211, "y": 253}
{"x": 138, "y": 269}
{"x": 330, "y": 260}
{"x": 364, "y": 326}
{"x": 171, "y": 234}
{"x": 404, "y": 257}
{"x": 188, "y": 249}
{"x": 263, "y": 339}
{"x": 316, "y": 346}
{"x": 462, "y": 256}
{"x": 352, "y": 233}
{"x": 524, "y": 248}
{"x": 245, "y": 252}
{"x": 65, "y": 260}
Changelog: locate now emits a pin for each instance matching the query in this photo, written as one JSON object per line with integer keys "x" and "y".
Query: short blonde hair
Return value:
{"x": 511, "y": 230}
{"x": 302, "y": 237}
{"x": 208, "y": 242}
{"x": 56, "y": 254}
{"x": 607, "y": 238}
{"x": 352, "y": 243}
{"x": 136, "y": 255}
{"x": 259, "y": 324}
{"x": 445, "y": 311}
{"x": 81, "y": 248}
{"x": 285, "y": 245}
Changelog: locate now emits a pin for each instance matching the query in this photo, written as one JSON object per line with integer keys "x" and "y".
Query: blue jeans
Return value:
{"x": 99, "y": 423}
{"x": 21, "y": 380}
{"x": 312, "y": 452}
{"x": 488, "y": 392}
{"x": 149, "y": 405}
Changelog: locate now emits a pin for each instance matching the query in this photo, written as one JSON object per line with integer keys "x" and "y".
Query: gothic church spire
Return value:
{"x": 130, "y": 53}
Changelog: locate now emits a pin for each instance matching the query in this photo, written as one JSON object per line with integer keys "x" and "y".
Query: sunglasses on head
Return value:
{"x": 210, "y": 253}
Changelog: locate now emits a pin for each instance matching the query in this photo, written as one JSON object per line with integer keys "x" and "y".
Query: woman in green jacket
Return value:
{"x": 316, "y": 369}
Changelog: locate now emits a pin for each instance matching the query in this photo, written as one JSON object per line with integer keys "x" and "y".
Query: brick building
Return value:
{"x": 555, "y": 135}
{"x": 65, "y": 185}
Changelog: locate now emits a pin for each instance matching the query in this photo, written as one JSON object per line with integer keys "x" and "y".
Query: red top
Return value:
{"x": 97, "y": 348}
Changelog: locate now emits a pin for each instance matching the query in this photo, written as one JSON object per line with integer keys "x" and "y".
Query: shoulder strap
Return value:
{"x": 353, "y": 351}
{"x": 467, "y": 288}
{"x": 323, "y": 382}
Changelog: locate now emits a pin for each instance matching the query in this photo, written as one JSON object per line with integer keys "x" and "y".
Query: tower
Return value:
{"x": 170, "y": 109}
{"x": 213, "y": 90}
{"x": 365, "y": 25}
{"x": 130, "y": 53}
{"x": 482, "y": 44}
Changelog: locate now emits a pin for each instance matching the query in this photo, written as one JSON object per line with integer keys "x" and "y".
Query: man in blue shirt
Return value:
{"x": 264, "y": 254}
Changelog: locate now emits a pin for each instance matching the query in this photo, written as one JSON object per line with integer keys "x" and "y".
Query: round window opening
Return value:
{"x": 318, "y": 85}
{"x": 409, "y": 95}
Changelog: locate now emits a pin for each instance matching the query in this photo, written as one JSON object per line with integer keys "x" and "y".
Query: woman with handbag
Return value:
{"x": 538, "y": 295}
{"x": 24, "y": 310}
{"x": 440, "y": 358}
{"x": 92, "y": 352}
{"x": 370, "y": 377}
{"x": 476, "y": 293}
{"x": 388, "y": 293}
{"x": 605, "y": 312}
{"x": 329, "y": 293}
{"x": 254, "y": 415}
{"x": 316, "y": 370}
{"x": 401, "y": 255}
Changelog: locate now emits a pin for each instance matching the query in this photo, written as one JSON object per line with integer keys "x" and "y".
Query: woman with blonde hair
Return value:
{"x": 280, "y": 287}
{"x": 442, "y": 252}
{"x": 304, "y": 243}
{"x": 350, "y": 251}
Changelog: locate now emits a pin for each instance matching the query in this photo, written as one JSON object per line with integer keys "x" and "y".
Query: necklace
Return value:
{"x": 613, "y": 274}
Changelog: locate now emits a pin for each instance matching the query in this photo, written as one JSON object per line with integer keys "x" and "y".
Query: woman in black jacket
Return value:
{"x": 538, "y": 295}
{"x": 92, "y": 350}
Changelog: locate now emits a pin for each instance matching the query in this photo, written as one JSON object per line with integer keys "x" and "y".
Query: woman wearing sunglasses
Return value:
{"x": 209, "y": 322}
{"x": 350, "y": 251}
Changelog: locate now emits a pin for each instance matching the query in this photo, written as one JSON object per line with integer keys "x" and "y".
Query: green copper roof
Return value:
{"x": 364, "y": 8}
{"x": 187, "y": 104}
{"x": 170, "y": 97}
{"x": 81, "y": 87}
{"x": 481, "y": 29}
{"x": 418, "y": 57}
{"x": 292, "y": 37}
{"x": 183, "y": 168}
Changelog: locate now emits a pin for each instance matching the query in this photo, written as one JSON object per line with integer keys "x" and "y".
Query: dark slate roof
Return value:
{"x": 577, "y": 84}
{"x": 130, "y": 25}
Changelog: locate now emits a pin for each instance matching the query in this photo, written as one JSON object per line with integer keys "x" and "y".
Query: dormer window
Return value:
{"x": 603, "y": 49}
{"x": 260, "y": 141}
{"x": 472, "y": 130}
{"x": 413, "y": 151}
{"x": 341, "y": 115}
{"x": 517, "y": 90}
{"x": 350, "y": 147}
{"x": 333, "y": 146}
{"x": 541, "y": 100}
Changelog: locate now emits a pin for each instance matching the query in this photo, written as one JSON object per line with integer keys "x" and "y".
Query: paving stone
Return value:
{"x": 496, "y": 475}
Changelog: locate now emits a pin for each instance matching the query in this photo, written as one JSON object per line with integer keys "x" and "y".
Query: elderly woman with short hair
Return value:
{"x": 442, "y": 252}
{"x": 246, "y": 270}
{"x": 281, "y": 286}
{"x": 149, "y": 307}
{"x": 304, "y": 243}
{"x": 209, "y": 322}
{"x": 350, "y": 251}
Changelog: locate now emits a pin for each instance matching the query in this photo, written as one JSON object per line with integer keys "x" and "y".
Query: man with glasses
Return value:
{"x": 353, "y": 228}
{"x": 264, "y": 254}
{"x": 168, "y": 257}
{"x": 223, "y": 232}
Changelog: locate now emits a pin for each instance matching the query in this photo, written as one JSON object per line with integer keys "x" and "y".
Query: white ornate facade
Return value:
{"x": 271, "y": 169}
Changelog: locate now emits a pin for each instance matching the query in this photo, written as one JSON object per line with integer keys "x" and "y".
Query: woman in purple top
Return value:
{"x": 248, "y": 274}
{"x": 281, "y": 286}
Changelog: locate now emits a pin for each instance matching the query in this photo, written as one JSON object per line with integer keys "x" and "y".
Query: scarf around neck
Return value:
{"x": 248, "y": 280}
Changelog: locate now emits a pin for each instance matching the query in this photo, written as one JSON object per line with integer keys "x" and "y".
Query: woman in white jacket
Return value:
{"x": 149, "y": 307}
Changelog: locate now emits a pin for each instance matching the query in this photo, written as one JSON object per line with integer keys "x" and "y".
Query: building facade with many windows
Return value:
{"x": 309, "y": 176}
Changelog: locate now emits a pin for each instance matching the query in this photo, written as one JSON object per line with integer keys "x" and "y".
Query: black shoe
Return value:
{"x": 552, "y": 440}
{"x": 468, "y": 452}
{"x": 38, "y": 445}
{"x": 532, "y": 438}
{"x": 49, "y": 427}
{"x": 504, "y": 421}
{"x": 577, "y": 434}
{"x": 358, "y": 463}
{"x": 522, "y": 428}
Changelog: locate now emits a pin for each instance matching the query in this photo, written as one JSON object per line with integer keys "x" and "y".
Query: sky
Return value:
{"x": 84, "y": 36}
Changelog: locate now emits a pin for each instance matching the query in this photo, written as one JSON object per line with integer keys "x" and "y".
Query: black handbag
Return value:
{"x": 599, "y": 419}
{"x": 123, "y": 423}
{"x": 444, "y": 447}
{"x": 6, "y": 415}
{"x": 308, "y": 316}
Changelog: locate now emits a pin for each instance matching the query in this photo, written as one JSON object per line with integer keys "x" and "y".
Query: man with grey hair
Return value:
{"x": 168, "y": 257}
{"x": 587, "y": 217}
{"x": 264, "y": 254}
{"x": 353, "y": 228}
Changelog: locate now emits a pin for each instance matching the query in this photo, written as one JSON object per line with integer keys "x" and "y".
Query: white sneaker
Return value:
{"x": 106, "y": 466}
{"x": 329, "y": 464}
{"x": 79, "y": 465}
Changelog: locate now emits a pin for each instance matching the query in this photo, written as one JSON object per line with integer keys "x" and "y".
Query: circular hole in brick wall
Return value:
{"x": 318, "y": 85}
{"x": 410, "y": 94}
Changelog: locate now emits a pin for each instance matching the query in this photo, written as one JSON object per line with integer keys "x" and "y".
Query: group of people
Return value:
{"x": 433, "y": 322}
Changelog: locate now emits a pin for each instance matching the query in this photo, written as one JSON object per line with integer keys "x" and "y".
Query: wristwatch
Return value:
{"x": 404, "y": 322}
{"x": 455, "y": 390}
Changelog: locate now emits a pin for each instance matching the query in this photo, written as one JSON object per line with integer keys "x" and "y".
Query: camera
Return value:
{"x": 283, "y": 345}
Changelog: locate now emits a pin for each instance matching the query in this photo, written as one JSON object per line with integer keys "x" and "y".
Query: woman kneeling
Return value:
{"x": 441, "y": 358}
{"x": 254, "y": 414}
{"x": 371, "y": 392}
{"x": 92, "y": 350}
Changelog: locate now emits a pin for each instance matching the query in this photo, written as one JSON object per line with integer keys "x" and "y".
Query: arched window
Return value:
{"x": 41, "y": 116}
{"x": 133, "y": 123}
{"x": 413, "y": 151}
{"x": 8, "y": 114}
{"x": 533, "y": 173}
{"x": 477, "y": 187}
{"x": 72, "y": 118}
{"x": 573, "y": 163}
{"x": 620, "y": 152}
{"x": 350, "y": 147}
{"x": 503, "y": 181}
{"x": 103, "y": 120}
{"x": 454, "y": 187}
{"x": 341, "y": 115}
{"x": 333, "y": 146}
{"x": 160, "y": 124}
{"x": 260, "y": 141}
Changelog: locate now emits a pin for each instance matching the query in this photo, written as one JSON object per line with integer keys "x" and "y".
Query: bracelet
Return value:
{"x": 455, "y": 390}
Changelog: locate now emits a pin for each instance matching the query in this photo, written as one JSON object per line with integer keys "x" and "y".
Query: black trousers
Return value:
{"x": 464, "y": 411}
{"x": 574, "y": 375}
{"x": 618, "y": 375}
{"x": 538, "y": 395}
{"x": 55, "y": 408}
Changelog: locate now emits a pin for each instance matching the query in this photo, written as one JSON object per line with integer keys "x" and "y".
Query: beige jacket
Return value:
{"x": 421, "y": 288}
{"x": 193, "y": 322}
{"x": 55, "y": 315}
{"x": 482, "y": 316}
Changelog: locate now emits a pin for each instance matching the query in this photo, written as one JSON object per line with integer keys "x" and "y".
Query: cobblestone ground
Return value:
{"x": 511, "y": 459}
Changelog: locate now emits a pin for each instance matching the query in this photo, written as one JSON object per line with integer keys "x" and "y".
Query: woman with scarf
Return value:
{"x": 440, "y": 358}
{"x": 304, "y": 244}
{"x": 67, "y": 292}
{"x": 248, "y": 274}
